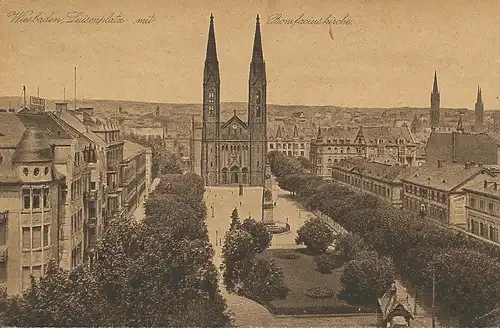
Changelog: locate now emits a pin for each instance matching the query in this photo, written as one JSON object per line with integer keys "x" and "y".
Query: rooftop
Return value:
{"x": 380, "y": 171}
{"x": 446, "y": 176}
{"x": 130, "y": 149}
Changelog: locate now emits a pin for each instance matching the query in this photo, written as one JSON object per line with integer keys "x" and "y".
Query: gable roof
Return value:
{"x": 131, "y": 149}
{"x": 390, "y": 134}
{"x": 339, "y": 132}
{"x": 448, "y": 177}
{"x": 234, "y": 119}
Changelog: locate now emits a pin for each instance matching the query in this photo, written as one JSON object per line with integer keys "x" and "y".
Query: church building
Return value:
{"x": 234, "y": 152}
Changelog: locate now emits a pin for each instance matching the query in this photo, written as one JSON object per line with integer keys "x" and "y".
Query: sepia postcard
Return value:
{"x": 262, "y": 163}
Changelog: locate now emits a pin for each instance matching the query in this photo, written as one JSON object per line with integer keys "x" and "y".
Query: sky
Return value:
{"x": 385, "y": 57}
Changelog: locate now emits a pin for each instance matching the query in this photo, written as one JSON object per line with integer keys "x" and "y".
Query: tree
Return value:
{"x": 348, "y": 245}
{"x": 265, "y": 281}
{"x": 306, "y": 164}
{"x": 235, "y": 219}
{"x": 366, "y": 278}
{"x": 315, "y": 234}
{"x": 325, "y": 262}
{"x": 237, "y": 254}
{"x": 261, "y": 238}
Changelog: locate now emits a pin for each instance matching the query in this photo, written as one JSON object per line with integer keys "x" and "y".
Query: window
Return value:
{"x": 36, "y": 271}
{"x": 46, "y": 171}
{"x": 92, "y": 185}
{"x": 36, "y": 198}
{"x": 26, "y": 199}
{"x": 3, "y": 234}
{"x": 37, "y": 237}
{"x": 481, "y": 205}
{"x": 26, "y": 238}
{"x": 26, "y": 171}
{"x": 46, "y": 198}
{"x": 490, "y": 207}
{"x": 36, "y": 171}
{"x": 46, "y": 236}
{"x": 271, "y": 146}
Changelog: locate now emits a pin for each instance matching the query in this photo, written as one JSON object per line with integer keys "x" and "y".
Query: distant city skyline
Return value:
{"x": 385, "y": 58}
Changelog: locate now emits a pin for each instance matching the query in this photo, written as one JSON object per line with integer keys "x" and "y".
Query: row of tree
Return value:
{"x": 163, "y": 161}
{"x": 158, "y": 272}
{"x": 243, "y": 271}
{"x": 467, "y": 272}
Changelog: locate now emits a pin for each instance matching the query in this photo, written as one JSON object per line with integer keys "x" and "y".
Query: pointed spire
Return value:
{"x": 257, "y": 43}
{"x": 279, "y": 133}
{"x": 319, "y": 132}
{"x": 435, "y": 87}
{"x": 295, "y": 132}
{"x": 479, "y": 95}
{"x": 211, "y": 48}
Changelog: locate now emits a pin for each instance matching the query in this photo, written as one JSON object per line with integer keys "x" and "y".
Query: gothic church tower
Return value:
{"x": 211, "y": 112}
{"x": 479, "y": 111}
{"x": 435, "y": 103}
{"x": 257, "y": 111}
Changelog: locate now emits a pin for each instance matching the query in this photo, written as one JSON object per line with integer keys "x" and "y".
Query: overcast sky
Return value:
{"x": 385, "y": 58}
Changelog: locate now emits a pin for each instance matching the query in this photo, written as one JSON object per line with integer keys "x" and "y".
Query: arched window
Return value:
{"x": 257, "y": 103}
{"x": 211, "y": 100}
{"x": 244, "y": 175}
{"x": 224, "y": 175}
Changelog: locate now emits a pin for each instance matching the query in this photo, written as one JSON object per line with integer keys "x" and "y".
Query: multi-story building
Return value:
{"x": 381, "y": 143}
{"x": 45, "y": 173}
{"x": 290, "y": 140}
{"x": 332, "y": 145}
{"x": 379, "y": 179}
{"x": 437, "y": 191}
{"x": 483, "y": 209}
{"x": 134, "y": 176}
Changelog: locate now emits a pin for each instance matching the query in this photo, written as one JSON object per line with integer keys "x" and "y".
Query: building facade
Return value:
{"x": 483, "y": 209}
{"x": 45, "y": 176}
{"x": 378, "y": 179}
{"x": 291, "y": 141}
{"x": 390, "y": 145}
{"x": 234, "y": 152}
{"x": 436, "y": 191}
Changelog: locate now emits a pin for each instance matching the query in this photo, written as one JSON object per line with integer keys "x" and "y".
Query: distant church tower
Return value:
{"x": 435, "y": 103}
{"x": 234, "y": 152}
{"x": 479, "y": 111}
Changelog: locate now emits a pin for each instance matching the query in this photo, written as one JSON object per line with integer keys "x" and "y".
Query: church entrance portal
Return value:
{"x": 234, "y": 174}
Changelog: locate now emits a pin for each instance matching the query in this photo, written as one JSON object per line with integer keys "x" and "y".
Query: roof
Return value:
{"x": 380, "y": 171}
{"x": 286, "y": 132}
{"x": 130, "y": 149}
{"x": 462, "y": 147}
{"x": 7, "y": 171}
{"x": 390, "y": 134}
{"x": 46, "y": 124}
{"x": 11, "y": 130}
{"x": 340, "y": 132}
{"x": 236, "y": 119}
{"x": 33, "y": 147}
{"x": 446, "y": 178}
{"x": 70, "y": 118}
{"x": 490, "y": 186}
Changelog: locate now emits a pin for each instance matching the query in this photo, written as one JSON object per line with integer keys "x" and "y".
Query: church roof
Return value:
{"x": 232, "y": 120}
{"x": 33, "y": 147}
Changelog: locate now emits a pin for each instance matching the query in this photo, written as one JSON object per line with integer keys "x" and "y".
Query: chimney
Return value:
{"x": 495, "y": 186}
{"x": 467, "y": 165}
{"x": 440, "y": 163}
{"x": 485, "y": 184}
{"x": 60, "y": 107}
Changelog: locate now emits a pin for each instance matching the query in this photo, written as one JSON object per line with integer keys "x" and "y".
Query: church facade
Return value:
{"x": 234, "y": 152}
